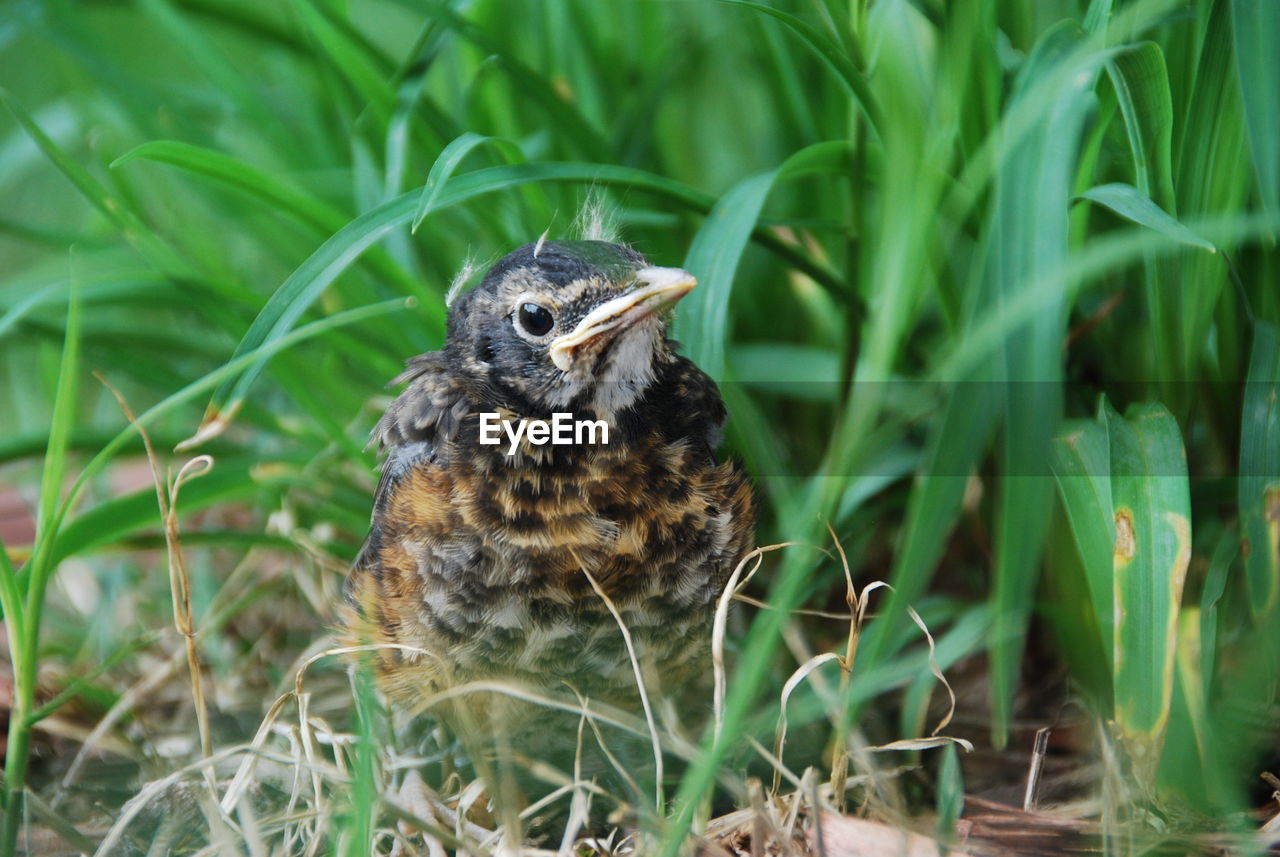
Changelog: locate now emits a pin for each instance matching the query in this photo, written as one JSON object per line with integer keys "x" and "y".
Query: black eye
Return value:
{"x": 535, "y": 320}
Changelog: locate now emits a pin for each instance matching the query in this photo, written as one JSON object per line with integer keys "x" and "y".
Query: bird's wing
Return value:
{"x": 701, "y": 413}
{"x": 411, "y": 432}
{"x": 428, "y": 409}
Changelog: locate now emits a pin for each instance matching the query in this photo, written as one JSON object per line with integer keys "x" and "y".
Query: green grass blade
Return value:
{"x": 361, "y": 811}
{"x": 23, "y": 698}
{"x": 1153, "y": 548}
{"x": 349, "y": 57}
{"x": 1187, "y": 764}
{"x": 1260, "y": 471}
{"x": 316, "y": 213}
{"x": 1066, "y": 602}
{"x": 702, "y": 322}
{"x": 1141, "y": 81}
{"x": 25, "y": 655}
{"x": 1209, "y": 158}
{"x": 88, "y": 186}
{"x": 1133, "y": 205}
{"x": 1257, "y": 42}
{"x": 55, "y": 459}
{"x": 950, "y": 800}
{"x": 106, "y": 286}
{"x": 237, "y": 174}
{"x": 806, "y": 372}
{"x": 1215, "y": 585}
{"x": 832, "y": 54}
{"x": 1098, "y": 14}
{"x": 116, "y": 210}
{"x": 1082, "y": 467}
{"x": 448, "y": 162}
{"x": 193, "y": 42}
{"x": 84, "y": 684}
{"x": 11, "y": 600}
{"x": 755, "y": 437}
{"x": 1029, "y": 239}
{"x": 584, "y": 136}
{"x": 255, "y": 21}
{"x": 1106, "y": 254}
{"x": 110, "y": 205}
{"x": 296, "y": 295}
{"x": 24, "y": 306}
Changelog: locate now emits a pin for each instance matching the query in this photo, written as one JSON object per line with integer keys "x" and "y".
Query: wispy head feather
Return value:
{"x": 537, "y": 248}
{"x": 470, "y": 267}
{"x": 597, "y": 220}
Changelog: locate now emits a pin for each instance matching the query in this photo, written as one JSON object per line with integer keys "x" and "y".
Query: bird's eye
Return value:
{"x": 535, "y": 320}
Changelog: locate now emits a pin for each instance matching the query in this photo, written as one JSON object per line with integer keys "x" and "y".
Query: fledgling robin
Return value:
{"x": 478, "y": 561}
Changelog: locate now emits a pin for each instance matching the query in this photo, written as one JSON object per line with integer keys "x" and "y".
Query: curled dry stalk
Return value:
{"x": 857, "y": 603}
{"x": 720, "y": 622}
{"x": 840, "y": 762}
{"x": 179, "y": 579}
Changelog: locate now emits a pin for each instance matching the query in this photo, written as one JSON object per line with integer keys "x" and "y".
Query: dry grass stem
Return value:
{"x": 1038, "y": 753}
{"x": 780, "y": 731}
{"x": 720, "y": 622}
{"x": 640, "y": 684}
{"x": 937, "y": 673}
{"x": 179, "y": 579}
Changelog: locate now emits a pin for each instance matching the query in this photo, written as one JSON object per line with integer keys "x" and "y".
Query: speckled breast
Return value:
{"x": 482, "y": 563}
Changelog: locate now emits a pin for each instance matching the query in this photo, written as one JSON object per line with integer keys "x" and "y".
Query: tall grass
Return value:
{"x": 990, "y": 288}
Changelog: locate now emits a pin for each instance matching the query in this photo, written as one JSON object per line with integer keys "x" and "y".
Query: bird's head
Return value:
{"x": 566, "y": 323}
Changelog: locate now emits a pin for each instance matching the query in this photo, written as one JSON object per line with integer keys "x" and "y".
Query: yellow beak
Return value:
{"x": 656, "y": 289}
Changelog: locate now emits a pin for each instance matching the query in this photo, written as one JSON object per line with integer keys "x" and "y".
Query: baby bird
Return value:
{"x": 484, "y": 558}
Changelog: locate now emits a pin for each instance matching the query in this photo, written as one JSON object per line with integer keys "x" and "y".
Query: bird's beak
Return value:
{"x": 656, "y": 289}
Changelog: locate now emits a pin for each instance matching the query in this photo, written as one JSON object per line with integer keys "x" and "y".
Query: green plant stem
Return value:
{"x": 15, "y": 767}
{"x": 15, "y": 764}
{"x": 24, "y": 619}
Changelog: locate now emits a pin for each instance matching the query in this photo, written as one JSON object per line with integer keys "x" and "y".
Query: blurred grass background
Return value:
{"x": 990, "y": 288}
